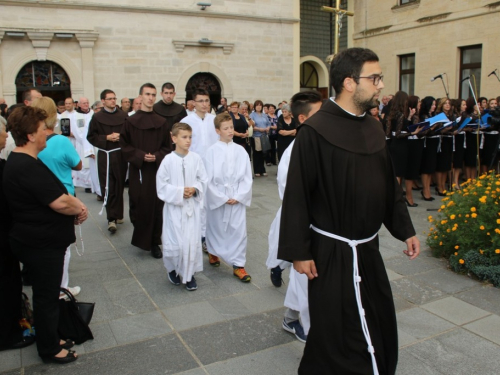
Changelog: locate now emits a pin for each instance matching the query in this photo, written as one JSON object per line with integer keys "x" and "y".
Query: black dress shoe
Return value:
{"x": 416, "y": 188}
{"x": 88, "y": 191}
{"x": 25, "y": 341}
{"x": 426, "y": 199}
{"x": 410, "y": 205}
{"x": 440, "y": 194}
{"x": 156, "y": 252}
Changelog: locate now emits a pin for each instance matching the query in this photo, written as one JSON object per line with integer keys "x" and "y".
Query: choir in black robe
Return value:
{"x": 101, "y": 125}
{"x": 171, "y": 112}
{"x": 142, "y": 133}
{"x": 341, "y": 180}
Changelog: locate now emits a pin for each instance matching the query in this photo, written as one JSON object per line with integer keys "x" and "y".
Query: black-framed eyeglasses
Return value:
{"x": 203, "y": 101}
{"x": 376, "y": 78}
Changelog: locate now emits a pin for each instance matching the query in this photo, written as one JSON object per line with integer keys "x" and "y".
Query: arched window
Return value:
{"x": 206, "y": 81}
{"x": 48, "y": 77}
{"x": 308, "y": 76}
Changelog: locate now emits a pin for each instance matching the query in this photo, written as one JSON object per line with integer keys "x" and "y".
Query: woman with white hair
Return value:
{"x": 287, "y": 129}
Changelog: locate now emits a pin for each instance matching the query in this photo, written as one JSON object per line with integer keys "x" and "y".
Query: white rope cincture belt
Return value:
{"x": 107, "y": 176}
{"x": 357, "y": 289}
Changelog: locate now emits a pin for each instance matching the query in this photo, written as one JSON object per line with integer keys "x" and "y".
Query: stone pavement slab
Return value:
{"x": 225, "y": 340}
{"x": 454, "y": 310}
{"x": 421, "y": 324}
{"x": 455, "y": 352}
{"x": 488, "y": 327}
{"x": 161, "y": 355}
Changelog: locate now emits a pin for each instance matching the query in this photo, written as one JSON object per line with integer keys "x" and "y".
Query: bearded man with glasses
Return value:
{"x": 340, "y": 189}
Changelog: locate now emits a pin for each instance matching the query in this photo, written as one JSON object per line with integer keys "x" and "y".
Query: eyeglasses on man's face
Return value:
{"x": 110, "y": 99}
{"x": 203, "y": 101}
{"x": 376, "y": 78}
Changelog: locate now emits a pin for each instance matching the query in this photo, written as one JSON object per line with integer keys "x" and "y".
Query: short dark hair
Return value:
{"x": 168, "y": 86}
{"x": 301, "y": 102}
{"x": 200, "y": 92}
{"x": 27, "y": 93}
{"x": 178, "y": 126}
{"x": 349, "y": 63}
{"x": 60, "y": 103}
{"x": 220, "y": 118}
{"x": 149, "y": 85}
{"x": 23, "y": 121}
{"x": 256, "y": 103}
{"x": 106, "y": 92}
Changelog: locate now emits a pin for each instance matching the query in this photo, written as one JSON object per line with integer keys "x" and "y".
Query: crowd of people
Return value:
{"x": 189, "y": 176}
{"x": 427, "y": 152}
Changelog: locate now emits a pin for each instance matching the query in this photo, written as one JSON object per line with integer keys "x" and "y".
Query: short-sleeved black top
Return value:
{"x": 30, "y": 187}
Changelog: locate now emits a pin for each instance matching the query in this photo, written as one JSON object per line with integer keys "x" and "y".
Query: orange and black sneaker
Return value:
{"x": 240, "y": 273}
{"x": 213, "y": 260}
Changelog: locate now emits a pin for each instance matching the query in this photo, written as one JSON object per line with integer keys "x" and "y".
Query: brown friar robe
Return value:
{"x": 101, "y": 125}
{"x": 143, "y": 133}
{"x": 171, "y": 112}
{"x": 341, "y": 180}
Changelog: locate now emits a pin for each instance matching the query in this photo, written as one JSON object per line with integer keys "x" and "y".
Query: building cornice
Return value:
{"x": 429, "y": 21}
{"x": 81, "y": 5}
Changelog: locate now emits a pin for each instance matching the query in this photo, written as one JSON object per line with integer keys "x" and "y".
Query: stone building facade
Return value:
{"x": 418, "y": 40}
{"x": 239, "y": 49}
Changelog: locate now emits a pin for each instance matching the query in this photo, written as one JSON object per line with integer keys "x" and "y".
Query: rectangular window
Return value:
{"x": 470, "y": 65}
{"x": 403, "y": 2}
{"x": 407, "y": 73}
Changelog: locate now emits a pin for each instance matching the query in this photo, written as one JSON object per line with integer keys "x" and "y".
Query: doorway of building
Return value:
{"x": 48, "y": 77}
{"x": 206, "y": 81}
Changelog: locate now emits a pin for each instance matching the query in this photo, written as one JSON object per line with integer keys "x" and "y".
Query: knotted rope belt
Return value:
{"x": 357, "y": 289}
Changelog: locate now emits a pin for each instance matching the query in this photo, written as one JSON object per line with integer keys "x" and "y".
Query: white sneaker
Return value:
{"x": 75, "y": 290}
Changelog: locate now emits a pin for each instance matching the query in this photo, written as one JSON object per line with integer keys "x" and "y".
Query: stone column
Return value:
{"x": 87, "y": 44}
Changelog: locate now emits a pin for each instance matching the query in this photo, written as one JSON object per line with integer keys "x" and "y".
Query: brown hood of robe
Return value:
{"x": 146, "y": 120}
{"x": 361, "y": 135}
{"x": 117, "y": 118}
{"x": 166, "y": 110}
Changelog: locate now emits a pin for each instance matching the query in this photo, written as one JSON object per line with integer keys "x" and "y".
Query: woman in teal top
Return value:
{"x": 59, "y": 156}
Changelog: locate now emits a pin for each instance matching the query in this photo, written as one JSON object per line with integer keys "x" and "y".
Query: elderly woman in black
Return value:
{"x": 43, "y": 217}
{"x": 240, "y": 127}
{"x": 287, "y": 128}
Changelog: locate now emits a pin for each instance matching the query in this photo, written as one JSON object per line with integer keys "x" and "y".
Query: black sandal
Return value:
{"x": 68, "y": 344}
{"x": 70, "y": 357}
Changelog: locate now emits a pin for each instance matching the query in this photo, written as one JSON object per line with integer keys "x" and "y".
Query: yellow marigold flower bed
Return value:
{"x": 470, "y": 247}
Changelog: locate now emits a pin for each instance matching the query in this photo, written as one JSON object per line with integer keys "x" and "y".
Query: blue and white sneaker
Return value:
{"x": 174, "y": 278}
{"x": 296, "y": 328}
{"x": 191, "y": 285}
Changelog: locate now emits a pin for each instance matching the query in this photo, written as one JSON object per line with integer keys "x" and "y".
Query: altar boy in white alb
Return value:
{"x": 181, "y": 182}
{"x": 229, "y": 192}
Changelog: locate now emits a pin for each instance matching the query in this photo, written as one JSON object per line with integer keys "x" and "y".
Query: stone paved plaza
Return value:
{"x": 448, "y": 323}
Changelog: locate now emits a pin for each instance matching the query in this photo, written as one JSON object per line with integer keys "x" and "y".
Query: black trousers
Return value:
{"x": 46, "y": 270}
{"x": 10, "y": 296}
{"x": 258, "y": 160}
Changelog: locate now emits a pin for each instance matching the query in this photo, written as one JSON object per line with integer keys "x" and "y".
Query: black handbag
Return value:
{"x": 74, "y": 319}
{"x": 265, "y": 143}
